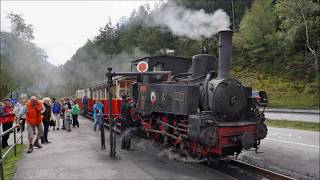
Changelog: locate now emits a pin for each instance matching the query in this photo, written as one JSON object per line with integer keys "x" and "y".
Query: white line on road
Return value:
{"x": 292, "y": 142}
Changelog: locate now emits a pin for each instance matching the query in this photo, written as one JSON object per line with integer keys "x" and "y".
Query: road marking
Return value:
{"x": 289, "y": 137}
{"x": 292, "y": 142}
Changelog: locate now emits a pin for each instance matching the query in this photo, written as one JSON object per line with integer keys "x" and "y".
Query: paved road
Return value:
{"x": 77, "y": 155}
{"x": 293, "y": 116}
{"x": 307, "y": 115}
{"x": 286, "y": 110}
{"x": 288, "y": 151}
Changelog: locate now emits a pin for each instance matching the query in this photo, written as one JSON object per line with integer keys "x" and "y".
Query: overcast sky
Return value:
{"x": 61, "y": 27}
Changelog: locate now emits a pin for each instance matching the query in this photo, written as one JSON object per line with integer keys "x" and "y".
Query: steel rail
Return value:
{"x": 258, "y": 170}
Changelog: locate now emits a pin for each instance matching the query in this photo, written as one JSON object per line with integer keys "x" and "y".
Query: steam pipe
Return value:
{"x": 205, "y": 88}
{"x": 225, "y": 52}
{"x": 140, "y": 73}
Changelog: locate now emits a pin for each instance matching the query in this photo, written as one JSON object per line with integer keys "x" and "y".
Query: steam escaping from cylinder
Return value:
{"x": 225, "y": 51}
{"x": 190, "y": 23}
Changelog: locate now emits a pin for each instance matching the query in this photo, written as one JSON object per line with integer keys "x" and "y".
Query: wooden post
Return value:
{"x": 111, "y": 123}
{"x": 2, "y": 160}
{"x": 15, "y": 141}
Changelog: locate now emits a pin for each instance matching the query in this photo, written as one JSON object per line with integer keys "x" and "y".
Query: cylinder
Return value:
{"x": 225, "y": 52}
{"x": 203, "y": 63}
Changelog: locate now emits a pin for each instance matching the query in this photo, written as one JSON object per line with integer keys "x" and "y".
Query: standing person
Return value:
{"x": 67, "y": 103}
{"x": 33, "y": 110}
{"x": 7, "y": 118}
{"x": 126, "y": 119}
{"x": 98, "y": 117}
{"x": 85, "y": 104}
{"x": 19, "y": 108}
{"x": 75, "y": 110}
{"x": 46, "y": 120}
{"x": 126, "y": 123}
{"x": 56, "y": 109}
{"x": 67, "y": 117}
{"x": 62, "y": 112}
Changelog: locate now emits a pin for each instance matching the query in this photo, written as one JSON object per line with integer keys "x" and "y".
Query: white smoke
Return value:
{"x": 190, "y": 23}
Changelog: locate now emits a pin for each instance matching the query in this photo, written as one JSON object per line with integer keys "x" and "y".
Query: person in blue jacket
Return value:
{"x": 98, "y": 117}
{"x": 85, "y": 104}
{"x": 56, "y": 109}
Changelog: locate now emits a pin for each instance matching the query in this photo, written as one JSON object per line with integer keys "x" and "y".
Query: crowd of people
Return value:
{"x": 37, "y": 116}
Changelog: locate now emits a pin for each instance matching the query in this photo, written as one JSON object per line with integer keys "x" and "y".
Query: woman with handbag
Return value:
{"x": 46, "y": 120}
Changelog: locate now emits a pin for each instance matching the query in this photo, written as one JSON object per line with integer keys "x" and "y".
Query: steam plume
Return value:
{"x": 190, "y": 23}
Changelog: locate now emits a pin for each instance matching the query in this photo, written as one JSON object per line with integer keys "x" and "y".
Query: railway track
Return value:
{"x": 236, "y": 169}
{"x": 260, "y": 172}
{"x": 241, "y": 170}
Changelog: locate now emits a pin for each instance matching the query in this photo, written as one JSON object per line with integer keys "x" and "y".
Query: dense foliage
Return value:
{"x": 23, "y": 64}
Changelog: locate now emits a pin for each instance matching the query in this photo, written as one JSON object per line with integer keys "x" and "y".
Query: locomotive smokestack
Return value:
{"x": 225, "y": 51}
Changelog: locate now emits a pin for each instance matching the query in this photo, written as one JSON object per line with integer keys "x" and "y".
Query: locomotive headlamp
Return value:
{"x": 260, "y": 98}
{"x": 263, "y": 99}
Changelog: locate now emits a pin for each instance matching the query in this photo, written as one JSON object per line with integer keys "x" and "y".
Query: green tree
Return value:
{"x": 19, "y": 28}
{"x": 299, "y": 31}
{"x": 23, "y": 64}
{"x": 256, "y": 43}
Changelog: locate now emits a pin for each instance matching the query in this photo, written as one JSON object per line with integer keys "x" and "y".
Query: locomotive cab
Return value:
{"x": 162, "y": 63}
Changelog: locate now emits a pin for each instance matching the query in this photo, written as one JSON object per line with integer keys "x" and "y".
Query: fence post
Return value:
{"x": 1, "y": 163}
{"x": 15, "y": 141}
{"x": 21, "y": 135}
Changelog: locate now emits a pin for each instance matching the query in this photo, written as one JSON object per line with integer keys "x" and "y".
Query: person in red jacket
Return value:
{"x": 33, "y": 111}
{"x": 7, "y": 118}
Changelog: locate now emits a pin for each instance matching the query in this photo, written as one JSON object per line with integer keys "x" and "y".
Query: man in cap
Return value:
{"x": 33, "y": 111}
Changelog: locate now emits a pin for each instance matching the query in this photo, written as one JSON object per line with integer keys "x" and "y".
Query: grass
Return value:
{"x": 11, "y": 160}
{"x": 282, "y": 92}
{"x": 311, "y": 126}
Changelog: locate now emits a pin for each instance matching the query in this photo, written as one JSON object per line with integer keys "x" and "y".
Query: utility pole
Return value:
{"x": 111, "y": 123}
{"x": 233, "y": 22}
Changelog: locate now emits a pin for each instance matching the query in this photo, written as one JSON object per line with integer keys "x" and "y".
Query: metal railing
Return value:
{"x": 14, "y": 146}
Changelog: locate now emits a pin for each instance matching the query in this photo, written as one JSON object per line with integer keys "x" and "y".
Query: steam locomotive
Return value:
{"x": 198, "y": 107}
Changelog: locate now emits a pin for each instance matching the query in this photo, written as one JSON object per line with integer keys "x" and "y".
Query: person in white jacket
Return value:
{"x": 18, "y": 110}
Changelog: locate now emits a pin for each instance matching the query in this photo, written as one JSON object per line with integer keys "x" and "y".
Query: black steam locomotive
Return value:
{"x": 199, "y": 108}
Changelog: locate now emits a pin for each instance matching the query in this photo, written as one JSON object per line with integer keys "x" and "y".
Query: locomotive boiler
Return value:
{"x": 205, "y": 112}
